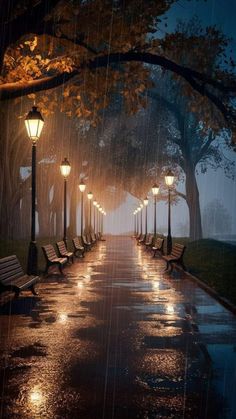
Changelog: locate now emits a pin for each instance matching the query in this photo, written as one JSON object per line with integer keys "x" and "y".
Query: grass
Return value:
{"x": 213, "y": 262}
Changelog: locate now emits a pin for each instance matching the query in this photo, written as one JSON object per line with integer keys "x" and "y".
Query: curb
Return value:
{"x": 223, "y": 301}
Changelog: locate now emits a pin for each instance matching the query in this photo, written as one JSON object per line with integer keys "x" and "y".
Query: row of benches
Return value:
{"x": 13, "y": 278}
{"x": 156, "y": 244}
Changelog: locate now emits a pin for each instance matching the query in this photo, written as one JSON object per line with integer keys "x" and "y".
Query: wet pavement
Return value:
{"x": 117, "y": 338}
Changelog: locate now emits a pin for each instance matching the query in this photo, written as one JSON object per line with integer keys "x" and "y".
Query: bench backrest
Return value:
{"x": 178, "y": 250}
{"x": 61, "y": 247}
{"x": 77, "y": 243}
{"x": 93, "y": 237}
{"x": 10, "y": 268}
{"x": 149, "y": 238}
{"x": 159, "y": 243}
{"x": 49, "y": 252}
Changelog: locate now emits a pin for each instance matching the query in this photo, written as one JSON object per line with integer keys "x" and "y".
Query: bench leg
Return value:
{"x": 17, "y": 293}
{"x": 32, "y": 289}
{"x": 60, "y": 269}
{"x": 167, "y": 266}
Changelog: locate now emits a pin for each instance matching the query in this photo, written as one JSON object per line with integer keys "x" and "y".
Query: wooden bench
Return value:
{"x": 52, "y": 258}
{"x": 63, "y": 252}
{"x": 149, "y": 240}
{"x": 78, "y": 247}
{"x": 141, "y": 239}
{"x": 158, "y": 246}
{"x": 13, "y": 278}
{"x": 86, "y": 243}
{"x": 176, "y": 256}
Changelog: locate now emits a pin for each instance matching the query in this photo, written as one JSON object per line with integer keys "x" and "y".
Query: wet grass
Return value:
{"x": 214, "y": 262}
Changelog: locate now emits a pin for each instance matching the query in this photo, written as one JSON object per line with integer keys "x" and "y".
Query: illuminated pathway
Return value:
{"x": 116, "y": 339}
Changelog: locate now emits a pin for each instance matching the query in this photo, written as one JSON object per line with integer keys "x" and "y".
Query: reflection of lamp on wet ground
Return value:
{"x": 82, "y": 188}
{"x": 90, "y": 197}
{"x": 155, "y": 190}
{"x": 62, "y": 317}
{"x": 170, "y": 309}
{"x": 145, "y": 201}
{"x": 169, "y": 180}
{"x": 134, "y": 213}
{"x": 65, "y": 169}
{"x": 34, "y": 124}
{"x": 36, "y": 397}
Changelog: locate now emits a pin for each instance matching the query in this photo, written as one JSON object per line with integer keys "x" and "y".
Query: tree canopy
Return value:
{"x": 88, "y": 51}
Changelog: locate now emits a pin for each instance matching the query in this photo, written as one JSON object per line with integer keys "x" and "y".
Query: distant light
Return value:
{"x": 145, "y": 201}
{"x": 95, "y": 203}
{"x": 141, "y": 206}
{"x": 90, "y": 195}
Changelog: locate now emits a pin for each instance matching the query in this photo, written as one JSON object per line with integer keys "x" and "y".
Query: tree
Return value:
{"x": 216, "y": 219}
{"x": 100, "y": 46}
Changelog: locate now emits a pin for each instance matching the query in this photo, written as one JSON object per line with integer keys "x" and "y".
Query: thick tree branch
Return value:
{"x": 189, "y": 75}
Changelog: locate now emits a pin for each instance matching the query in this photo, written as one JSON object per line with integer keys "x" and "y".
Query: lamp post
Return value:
{"x": 145, "y": 201}
{"x": 94, "y": 215}
{"x": 141, "y": 218}
{"x": 155, "y": 190}
{"x": 65, "y": 169}
{"x": 169, "y": 179}
{"x": 82, "y": 188}
{"x": 34, "y": 124}
{"x": 134, "y": 223}
{"x": 98, "y": 226}
{"x": 90, "y": 197}
{"x": 100, "y": 219}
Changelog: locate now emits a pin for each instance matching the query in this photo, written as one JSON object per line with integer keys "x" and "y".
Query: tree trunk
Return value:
{"x": 192, "y": 198}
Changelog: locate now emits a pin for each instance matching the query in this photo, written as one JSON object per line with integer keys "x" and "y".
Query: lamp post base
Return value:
{"x": 169, "y": 245}
{"x": 32, "y": 265}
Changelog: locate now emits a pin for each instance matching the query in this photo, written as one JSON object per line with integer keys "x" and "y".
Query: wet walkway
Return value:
{"x": 117, "y": 339}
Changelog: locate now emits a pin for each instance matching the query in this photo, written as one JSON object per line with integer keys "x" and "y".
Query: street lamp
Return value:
{"x": 145, "y": 201}
{"x": 65, "y": 169}
{"x": 141, "y": 218}
{"x": 169, "y": 179}
{"x": 90, "y": 197}
{"x": 94, "y": 215}
{"x": 34, "y": 124}
{"x": 155, "y": 191}
{"x": 134, "y": 222}
{"x": 82, "y": 188}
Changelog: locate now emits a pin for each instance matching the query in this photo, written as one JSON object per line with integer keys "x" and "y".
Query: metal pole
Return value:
{"x": 155, "y": 216}
{"x": 141, "y": 215}
{"x": 90, "y": 215}
{"x": 169, "y": 238}
{"x": 65, "y": 210}
{"x": 82, "y": 213}
{"x": 146, "y": 221}
{"x": 32, "y": 265}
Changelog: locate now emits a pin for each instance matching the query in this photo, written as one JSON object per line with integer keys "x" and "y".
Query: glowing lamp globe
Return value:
{"x": 34, "y": 124}
{"x": 169, "y": 178}
{"x": 145, "y": 201}
{"x": 90, "y": 195}
{"x": 65, "y": 168}
{"x": 155, "y": 189}
{"x": 82, "y": 186}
